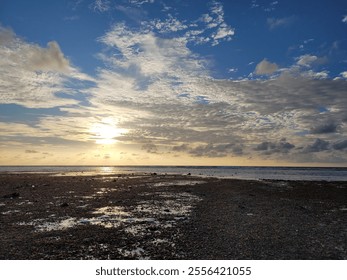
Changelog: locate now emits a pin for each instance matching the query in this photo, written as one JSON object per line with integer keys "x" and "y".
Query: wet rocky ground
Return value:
{"x": 151, "y": 216}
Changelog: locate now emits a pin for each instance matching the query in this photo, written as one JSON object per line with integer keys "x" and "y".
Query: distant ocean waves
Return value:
{"x": 238, "y": 172}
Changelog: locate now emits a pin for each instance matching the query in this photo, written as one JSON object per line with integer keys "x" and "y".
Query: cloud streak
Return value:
{"x": 274, "y": 23}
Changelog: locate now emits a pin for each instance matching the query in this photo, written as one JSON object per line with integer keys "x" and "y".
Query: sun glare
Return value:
{"x": 106, "y": 132}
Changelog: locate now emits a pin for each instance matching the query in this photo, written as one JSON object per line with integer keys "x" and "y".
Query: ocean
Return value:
{"x": 237, "y": 172}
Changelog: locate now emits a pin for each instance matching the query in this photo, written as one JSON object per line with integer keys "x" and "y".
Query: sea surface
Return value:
{"x": 237, "y": 172}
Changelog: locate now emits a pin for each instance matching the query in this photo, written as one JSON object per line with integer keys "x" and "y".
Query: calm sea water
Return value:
{"x": 239, "y": 172}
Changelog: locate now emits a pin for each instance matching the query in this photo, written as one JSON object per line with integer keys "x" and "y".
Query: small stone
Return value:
{"x": 11, "y": 195}
{"x": 64, "y": 204}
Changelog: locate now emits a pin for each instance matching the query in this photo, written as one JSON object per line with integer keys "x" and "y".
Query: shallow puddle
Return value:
{"x": 177, "y": 183}
{"x": 135, "y": 253}
{"x": 43, "y": 225}
{"x": 111, "y": 210}
{"x": 10, "y": 212}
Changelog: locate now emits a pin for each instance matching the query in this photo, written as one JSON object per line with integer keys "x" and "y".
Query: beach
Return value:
{"x": 166, "y": 216}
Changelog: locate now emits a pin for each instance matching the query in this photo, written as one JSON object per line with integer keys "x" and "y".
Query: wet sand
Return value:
{"x": 150, "y": 216}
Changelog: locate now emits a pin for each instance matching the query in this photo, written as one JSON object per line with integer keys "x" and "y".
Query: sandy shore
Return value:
{"x": 150, "y": 216}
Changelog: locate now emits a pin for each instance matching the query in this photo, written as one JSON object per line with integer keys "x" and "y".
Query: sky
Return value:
{"x": 179, "y": 82}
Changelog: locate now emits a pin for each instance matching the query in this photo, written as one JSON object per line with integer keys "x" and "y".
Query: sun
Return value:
{"x": 106, "y": 132}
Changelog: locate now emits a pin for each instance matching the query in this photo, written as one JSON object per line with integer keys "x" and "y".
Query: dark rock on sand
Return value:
{"x": 11, "y": 195}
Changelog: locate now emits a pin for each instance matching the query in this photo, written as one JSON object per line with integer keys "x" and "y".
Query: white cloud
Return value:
{"x": 31, "y": 75}
{"x": 141, "y": 2}
{"x": 254, "y": 4}
{"x": 171, "y": 24}
{"x": 146, "y": 56}
{"x": 222, "y": 33}
{"x": 72, "y": 18}
{"x": 316, "y": 75}
{"x": 265, "y": 67}
{"x": 101, "y": 5}
{"x": 30, "y": 56}
{"x": 206, "y": 18}
{"x": 344, "y": 19}
{"x": 214, "y": 29}
{"x": 49, "y": 59}
{"x": 344, "y": 74}
{"x": 278, "y": 22}
{"x": 308, "y": 60}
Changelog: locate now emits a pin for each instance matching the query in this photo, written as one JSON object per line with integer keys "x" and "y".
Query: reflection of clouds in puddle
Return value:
{"x": 136, "y": 230}
{"x": 177, "y": 183}
{"x": 88, "y": 197}
{"x": 9, "y": 212}
{"x": 102, "y": 191}
{"x": 99, "y": 247}
{"x": 168, "y": 207}
{"x": 111, "y": 217}
{"x": 63, "y": 224}
{"x": 83, "y": 206}
{"x": 99, "y": 193}
{"x": 173, "y": 204}
{"x": 135, "y": 253}
{"x": 111, "y": 210}
{"x": 140, "y": 226}
{"x": 26, "y": 202}
{"x": 158, "y": 241}
{"x": 118, "y": 178}
{"x": 43, "y": 225}
{"x": 104, "y": 221}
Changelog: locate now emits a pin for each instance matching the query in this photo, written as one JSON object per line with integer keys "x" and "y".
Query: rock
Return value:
{"x": 11, "y": 195}
{"x": 64, "y": 204}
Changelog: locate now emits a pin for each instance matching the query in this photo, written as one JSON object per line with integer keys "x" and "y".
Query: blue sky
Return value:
{"x": 173, "y": 82}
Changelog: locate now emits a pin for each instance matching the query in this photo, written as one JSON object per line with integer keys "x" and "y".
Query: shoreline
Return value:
{"x": 141, "y": 173}
{"x": 225, "y": 172}
{"x": 157, "y": 216}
